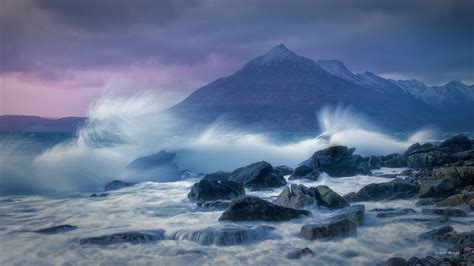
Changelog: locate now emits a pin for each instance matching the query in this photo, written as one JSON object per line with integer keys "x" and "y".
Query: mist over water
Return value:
{"x": 121, "y": 129}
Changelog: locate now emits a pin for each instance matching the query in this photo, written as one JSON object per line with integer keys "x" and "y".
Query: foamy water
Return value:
{"x": 151, "y": 206}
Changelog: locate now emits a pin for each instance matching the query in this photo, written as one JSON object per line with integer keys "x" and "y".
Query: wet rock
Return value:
{"x": 251, "y": 208}
{"x": 218, "y": 205}
{"x": 428, "y": 159}
{"x": 451, "y": 201}
{"x": 217, "y": 176}
{"x": 126, "y": 237}
{"x": 328, "y": 198}
{"x": 94, "y": 195}
{"x": 395, "y": 189}
{"x": 259, "y": 175}
{"x": 461, "y": 176}
{"x": 116, "y": 185}
{"x": 283, "y": 170}
{"x": 442, "y": 234}
{"x": 297, "y": 254}
{"x": 155, "y": 160}
{"x": 338, "y": 161}
{"x": 56, "y": 229}
{"x": 425, "y": 202}
{"x": 352, "y": 197}
{"x": 305, "y": 172}
{"x": 471, "y": 204}
{"x": 438, "y": 188}
{"x": 445, "y": 212}
{"x": 296, "y": 196}
{"x": 158, "y": 167}
{"x": 390, "y": 212}
{"x": 374, "y": 162}
{"x": 455, "y": 144}
{"x": 354, "y": 213}
{"x": 394, "y": 160}
{"x": 396, "y": 261}
{"x": 225, "y": 236}
{"x": 206, "y": 190}
{"x": 333, "y": 229}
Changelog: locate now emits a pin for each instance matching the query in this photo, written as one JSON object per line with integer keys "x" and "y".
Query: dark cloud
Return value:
{"x": 429, "y": 40}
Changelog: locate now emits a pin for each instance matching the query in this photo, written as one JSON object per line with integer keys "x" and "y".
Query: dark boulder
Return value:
{"x": 338, "y": 161}
{"x": 217, "y": 205}
{"x": 56, "y": 229}
{"x": 328, "y": 198}
{"x": 461, "y": 176}
{"x": 256, "y": 176}
{"x": 428, "y": 159}
{"x": 352, "y": 197}
{"x": 445, "y": 212}
{"x": 438, "y": 189}
{"x": 395, "y": 189}
{"x": 297, "y": 254}
{"x": 225, "y": 236}
{"x": 396, "y": 261}
{"x": 251, "y": 208}
{"x": 305, "y": 172}
{"x": 442, "y": 234}
{"x": 206, "y": 190}
{"x": 116, "y": 185}
{"x": 394, "y": 160}
{"x": 155, "y": 160}
{"x": 354, "y": 213}
{"x": 332, "y": 229}
{"x": 283, "y": 170}
{"x": 126, "y": 237}
{"x": 374, "y": 162}
{"x": 296, "y": 196}
{"x": 99, "y": 195}
{"x": 217, "y": 176}
{"x": 391, "y": 212}
{"x": 455, "y": 144}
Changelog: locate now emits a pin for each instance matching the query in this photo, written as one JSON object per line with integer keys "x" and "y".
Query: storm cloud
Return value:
{"x": 177, "y": 46}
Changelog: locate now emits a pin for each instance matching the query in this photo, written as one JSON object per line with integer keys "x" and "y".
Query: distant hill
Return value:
{"x": 23, "y": 123}
{"x": 281, "y": 90}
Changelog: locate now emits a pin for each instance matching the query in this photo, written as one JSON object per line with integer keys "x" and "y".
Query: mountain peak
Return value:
{"x": 278, "y": 53}
{"x": 336, "y": 68}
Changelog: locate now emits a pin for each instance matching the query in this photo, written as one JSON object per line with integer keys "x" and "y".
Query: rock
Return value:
{"x": 213, "y": 204}
{"x": 256, "y": 176}
{"x": 352, "y": 197}
{"x": 451, "y": 201}
{"x": 412, "y": 148}
{"x": 328, "y": 198}
{"x": 438, "y": 188}
{"x": 428, "y": 159}
{"x": 217, "y": 176}
{"x": 471, "y": 204}
{"x": 394, "y": 160}
{"x": 251, "y": 208}
{"x": 116, "y": 185}
{"x": 442, "y": 234}
{"x": 396, "y": 261}
{"x": 94, "y": 195}
{"x": 338, "y": 161}
{"x": 305, "y": 172}
{"x": 445, "y": 212}
{"x": 206, "y": 190}
{"x": 456, "y": 144}
{"x": 297, "y": 254}
{"x": 390, "y": 212}
{"x": 465, "y": 239}
{"x": 425, "y": 202}
{"x": 354, "y": 213}
{"x": 56, "y": 229}
{"x": 336, "y": 228}
{"x": 374, "y": 162}
{"x": 283, "y": 170}
{"x": 417, "y": 148}
{"x": 155, "y": 160}
{"x": 296, "y": 196}
{"x": 126, "y": 237}
{"x": 460, "y": 176}
{"x": 395, "y": 189}
{"x": 225, "y": 236}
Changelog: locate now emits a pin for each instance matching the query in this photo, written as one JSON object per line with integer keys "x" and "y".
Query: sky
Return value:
{"x": 57, "y": 56}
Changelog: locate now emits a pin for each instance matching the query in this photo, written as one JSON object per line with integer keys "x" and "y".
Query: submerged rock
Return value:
{"x": 126, "y": 237}
{"x": 212, "y": 190}
{"x": 328, "y": 198}
{"x": 395, "y": 189}
{"x": 100, "y": 195}
{"x": 390, "y": 212}
{"x": 225, "y": 236}
{"x": 332, "y": 229}
{"x": 305, "y": 172}
{"x": 442, "y": 234}
{"x": 297, "y": 254}
{"x": 116, "y": 185}
{"x": 213, "y": 204}
{"x": 445, "y": 212}
{"x": 56, "y": 229}
{"x": 259, "y": 175}
{"x": 296, "y": 196}
{"x": 251, "y": 208}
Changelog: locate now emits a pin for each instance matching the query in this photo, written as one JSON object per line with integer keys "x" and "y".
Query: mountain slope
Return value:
{"x": 27, "y": 123}
{"x": 282, "y": 91}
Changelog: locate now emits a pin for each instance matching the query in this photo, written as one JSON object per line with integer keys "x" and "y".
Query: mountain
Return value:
{"x": 24, "y": 123}
{"x": 281, "y": 90}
